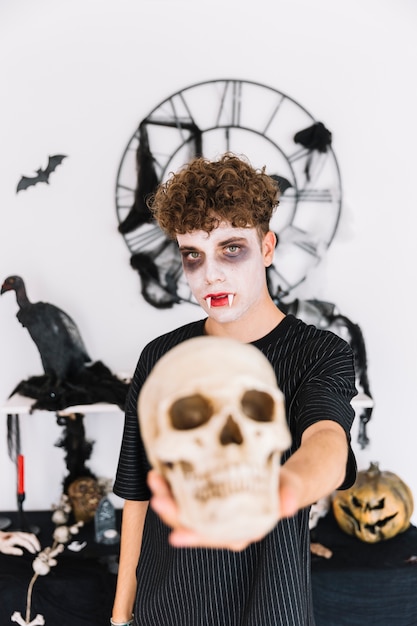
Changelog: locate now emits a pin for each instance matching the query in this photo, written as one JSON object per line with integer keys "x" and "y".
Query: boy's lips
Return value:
{"x": 219, "y": 299}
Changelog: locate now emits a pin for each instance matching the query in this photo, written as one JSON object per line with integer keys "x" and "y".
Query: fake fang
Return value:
{"x": 220, "y": 300}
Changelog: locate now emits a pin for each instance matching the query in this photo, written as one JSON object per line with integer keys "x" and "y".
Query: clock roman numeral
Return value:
{"x": 308, "y": 195}
{"x": 315, "y": 195}
{"x": 229, "y": 112}
{"x": 281, "y": 99}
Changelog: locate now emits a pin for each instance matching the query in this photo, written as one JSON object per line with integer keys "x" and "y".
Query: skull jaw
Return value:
{"x": 228, "y": 510}
{"x": 238, "y": 521}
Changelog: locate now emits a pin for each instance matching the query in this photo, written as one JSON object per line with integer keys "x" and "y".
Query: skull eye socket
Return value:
{"x": 190, "y": 412}
{"x": 258, "y": 405}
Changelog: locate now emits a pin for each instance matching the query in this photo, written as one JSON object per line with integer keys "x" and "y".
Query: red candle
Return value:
{"x": 20, "y": 474}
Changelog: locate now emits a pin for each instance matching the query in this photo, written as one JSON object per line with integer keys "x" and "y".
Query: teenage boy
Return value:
{"x": 219, "y": 212}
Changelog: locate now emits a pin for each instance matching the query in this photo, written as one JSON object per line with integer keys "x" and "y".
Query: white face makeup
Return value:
{"x": 225, "y": 270}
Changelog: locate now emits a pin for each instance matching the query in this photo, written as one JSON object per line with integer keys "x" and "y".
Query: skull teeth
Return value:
{"x": 226, "y": 489}
{"x": 227, "y": 482}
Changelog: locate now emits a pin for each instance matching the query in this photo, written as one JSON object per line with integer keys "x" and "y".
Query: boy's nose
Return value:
{"x": 214, "y": 273}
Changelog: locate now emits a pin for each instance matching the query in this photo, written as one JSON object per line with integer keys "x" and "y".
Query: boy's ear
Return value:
{"x": 269, "y": 243}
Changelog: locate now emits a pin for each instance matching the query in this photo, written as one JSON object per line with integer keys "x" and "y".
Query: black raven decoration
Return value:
{"x": 42, "y": 175}
{"x": 55, "y": 334}
{"x": 70, "y": 375}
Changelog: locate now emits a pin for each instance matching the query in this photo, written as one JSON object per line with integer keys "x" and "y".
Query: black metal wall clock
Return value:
{"x": 246, "y": 118}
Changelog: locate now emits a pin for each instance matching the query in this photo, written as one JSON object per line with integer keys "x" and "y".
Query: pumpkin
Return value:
{"x": 377, "y": 507}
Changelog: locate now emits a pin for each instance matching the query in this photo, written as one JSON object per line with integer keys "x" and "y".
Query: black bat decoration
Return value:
{"x": 42, "y": 175}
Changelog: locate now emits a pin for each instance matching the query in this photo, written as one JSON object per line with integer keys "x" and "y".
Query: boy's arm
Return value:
{"x": 133, "y": 519}
{"x": 318, "y": 467}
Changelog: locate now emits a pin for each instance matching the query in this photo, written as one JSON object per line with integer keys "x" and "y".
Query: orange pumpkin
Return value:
{"x": 377, "y": 507}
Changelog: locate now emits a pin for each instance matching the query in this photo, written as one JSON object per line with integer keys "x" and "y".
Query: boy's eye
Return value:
{"x": 233, "y": 249}
{"x": 190, "y": 254}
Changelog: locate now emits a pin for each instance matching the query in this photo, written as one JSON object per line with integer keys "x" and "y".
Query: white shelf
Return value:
{"x": 21, "y": 405}
{"x": 18, "y": 404}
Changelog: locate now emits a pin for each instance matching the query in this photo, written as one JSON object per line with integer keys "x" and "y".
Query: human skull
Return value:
{"x": 213, "y": 423}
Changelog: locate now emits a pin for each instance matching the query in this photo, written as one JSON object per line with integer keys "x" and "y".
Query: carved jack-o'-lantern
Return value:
{"x": 378, "y": 506}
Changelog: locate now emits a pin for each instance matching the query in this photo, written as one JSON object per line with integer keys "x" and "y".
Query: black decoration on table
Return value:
{"x": 105, "y": 523}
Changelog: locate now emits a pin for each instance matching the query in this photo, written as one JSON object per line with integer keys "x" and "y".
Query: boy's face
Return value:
{"x": 225, "y": 269}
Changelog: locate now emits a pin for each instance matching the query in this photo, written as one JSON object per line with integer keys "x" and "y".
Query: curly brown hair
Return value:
{"x": 205, "y": 193}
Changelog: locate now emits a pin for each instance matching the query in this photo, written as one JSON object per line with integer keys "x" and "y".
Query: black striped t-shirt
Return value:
{"x": 267, "y": 584}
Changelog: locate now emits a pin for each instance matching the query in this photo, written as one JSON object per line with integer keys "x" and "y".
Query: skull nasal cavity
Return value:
{"x": 230, "y": 433}
{"x": 190, "y": 412}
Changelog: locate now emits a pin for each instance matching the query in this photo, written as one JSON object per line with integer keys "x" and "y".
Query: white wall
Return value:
{"x": 76, "y": 79}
